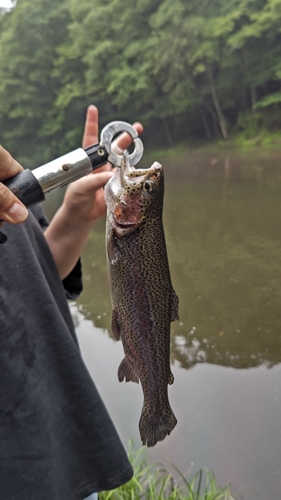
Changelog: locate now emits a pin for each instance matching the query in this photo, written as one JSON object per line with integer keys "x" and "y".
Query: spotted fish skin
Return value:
{"x": 143, "y": 299}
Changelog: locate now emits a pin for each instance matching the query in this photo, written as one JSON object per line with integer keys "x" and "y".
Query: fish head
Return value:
{"x": 134, "y": 196}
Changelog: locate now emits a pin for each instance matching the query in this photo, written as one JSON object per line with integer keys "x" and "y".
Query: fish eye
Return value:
{"x": 148, "y": 186}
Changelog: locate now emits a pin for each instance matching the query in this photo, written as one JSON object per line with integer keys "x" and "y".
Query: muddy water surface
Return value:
{"x": 222, "y": 220}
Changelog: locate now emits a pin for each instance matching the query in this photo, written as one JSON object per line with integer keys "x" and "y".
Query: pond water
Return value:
{"x": 222, "y": 223}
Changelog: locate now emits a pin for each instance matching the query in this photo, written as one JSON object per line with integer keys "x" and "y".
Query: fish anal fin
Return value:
{"x": 174, "y": 306}
{"x": 115, "y": 326}
{"x": 126, "y": 371}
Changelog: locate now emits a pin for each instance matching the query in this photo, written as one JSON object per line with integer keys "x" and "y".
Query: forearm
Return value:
{"x": 69, "y": 229}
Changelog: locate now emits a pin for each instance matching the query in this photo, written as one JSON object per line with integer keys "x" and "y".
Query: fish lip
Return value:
{"x": 122, "y": 229}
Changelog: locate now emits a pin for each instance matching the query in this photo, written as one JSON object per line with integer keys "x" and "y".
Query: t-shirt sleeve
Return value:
{"x": 73, "y": 283}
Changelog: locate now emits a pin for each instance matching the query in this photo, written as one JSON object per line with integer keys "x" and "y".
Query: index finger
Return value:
{"x": 124, "y": 140}
{"x": 91, "y": 130}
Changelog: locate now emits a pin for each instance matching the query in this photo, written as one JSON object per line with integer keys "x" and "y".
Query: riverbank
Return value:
{"x": 264, "y": 142}
{"x": 153, "y": 482}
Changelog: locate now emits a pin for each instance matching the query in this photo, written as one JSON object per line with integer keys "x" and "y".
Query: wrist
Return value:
{"x": 73, "y": 221}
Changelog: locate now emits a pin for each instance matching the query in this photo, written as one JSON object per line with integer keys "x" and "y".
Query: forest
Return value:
{"x": 188, "y": 70}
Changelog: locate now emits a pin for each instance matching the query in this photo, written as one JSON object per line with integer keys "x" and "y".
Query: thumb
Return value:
{"x": 90, "y": 183}
{"x": 11, "y": 209}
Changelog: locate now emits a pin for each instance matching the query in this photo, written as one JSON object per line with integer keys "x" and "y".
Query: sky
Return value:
{"x": 5, "y": 3}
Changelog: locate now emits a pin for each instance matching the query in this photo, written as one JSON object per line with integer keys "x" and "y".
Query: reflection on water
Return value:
{"x": 222, "y": 228}
{"x": 222, "y": 219}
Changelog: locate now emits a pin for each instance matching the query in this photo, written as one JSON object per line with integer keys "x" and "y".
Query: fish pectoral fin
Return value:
{"x": 126, "y": 371}
{"x": 113, "y": 252}
{"x": 174, "y": 306}
{"x": 115, "y": 326}
{"x": 171, "y": 378}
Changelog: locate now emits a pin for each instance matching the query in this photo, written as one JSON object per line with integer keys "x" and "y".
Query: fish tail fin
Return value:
{"x": 126, "y": 371}
{"x": 154, "y": 428}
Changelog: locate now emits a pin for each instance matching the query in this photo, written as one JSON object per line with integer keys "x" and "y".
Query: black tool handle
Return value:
{"x": 97, "y": 154}
{"x": 26, "y": 187}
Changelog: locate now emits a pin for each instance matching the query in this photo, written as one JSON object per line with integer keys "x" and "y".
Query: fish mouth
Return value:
{"x": 128, "y": 173}
{"x": 125, "y": 196}
{"x": 122, "y": 228}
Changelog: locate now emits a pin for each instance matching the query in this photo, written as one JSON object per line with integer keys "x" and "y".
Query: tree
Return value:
{"x": 184, "y": 69}
{"x": 28, "y": 41}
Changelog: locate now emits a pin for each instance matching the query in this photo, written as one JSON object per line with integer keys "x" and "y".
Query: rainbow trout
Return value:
{"x": 143, "y": 299}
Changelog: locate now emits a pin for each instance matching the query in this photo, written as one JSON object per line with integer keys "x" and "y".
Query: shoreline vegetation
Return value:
{"x": 154, "y": 482}
{"x": 198, "y": 72}
{"x": 264, "y": 142}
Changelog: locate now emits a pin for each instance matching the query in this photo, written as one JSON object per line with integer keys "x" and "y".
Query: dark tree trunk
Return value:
{"x": 205, "y": 123}
{"x": 220, "y": 115}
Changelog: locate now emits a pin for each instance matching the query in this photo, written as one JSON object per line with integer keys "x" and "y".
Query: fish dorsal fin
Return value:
{"x": 171, "y": 378}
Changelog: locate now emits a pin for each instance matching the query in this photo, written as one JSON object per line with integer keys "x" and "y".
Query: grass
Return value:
{"x": 154, "y": 482}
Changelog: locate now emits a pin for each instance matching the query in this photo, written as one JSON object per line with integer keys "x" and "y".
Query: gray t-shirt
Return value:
{"x": 57, "y": 441}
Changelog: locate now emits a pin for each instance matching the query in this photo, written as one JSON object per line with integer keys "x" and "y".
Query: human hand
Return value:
{"x": 83, "y": 203}
{"x": 85, "y": 197}
{"x": 11, "y": 208}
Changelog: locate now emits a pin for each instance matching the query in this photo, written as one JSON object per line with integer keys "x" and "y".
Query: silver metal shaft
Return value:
{"x": 63, "y": 170}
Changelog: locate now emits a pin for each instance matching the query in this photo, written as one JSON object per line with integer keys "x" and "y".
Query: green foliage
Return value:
{"x": 185, "y": 69}
{"x": 153, "y": 482}
{"x": 29, "y": 40}
{"x": 269, "y": 100}
{"x": 250, "y": 123}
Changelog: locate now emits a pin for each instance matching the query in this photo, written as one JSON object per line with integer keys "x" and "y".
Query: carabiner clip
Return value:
{"x": 104, "y": 151}
{"x": 106, "y": 140}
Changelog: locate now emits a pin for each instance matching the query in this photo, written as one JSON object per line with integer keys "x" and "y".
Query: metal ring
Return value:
{"x": 107, "y": 135}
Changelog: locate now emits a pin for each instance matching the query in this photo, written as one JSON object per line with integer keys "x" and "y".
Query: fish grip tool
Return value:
{"x": 30, "y": 187}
